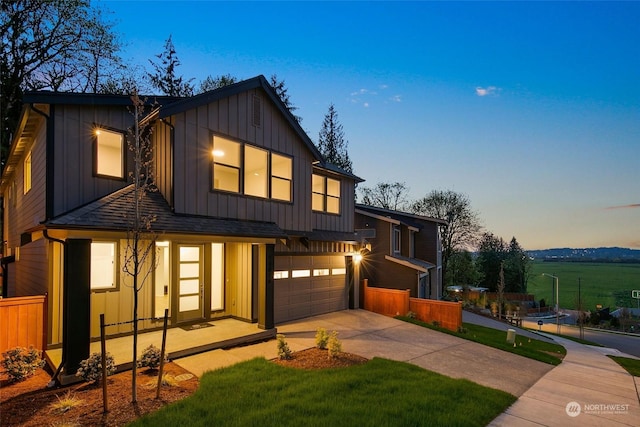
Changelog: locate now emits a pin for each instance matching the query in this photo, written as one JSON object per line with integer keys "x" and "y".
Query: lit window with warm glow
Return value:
{"x": 281, "y": 274}
{"x": 103, "y": 265}
{"x": 339, "y": 271}
{"x": 321, "y": 272}
{"x": 325, "y": 194}
{"x": 255, "y": 172}
{"x": 281, "y": 177}
{"x": 226, "y": 165}
{"x": 27, "y": 173}
{"x": 300, "y": 273}
{"x": 109, "y": 154}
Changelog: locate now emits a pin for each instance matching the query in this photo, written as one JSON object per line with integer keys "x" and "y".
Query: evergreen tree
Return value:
{"x": 165, "y": 78}
{"x": 491, "y": 254}
{"x": 282, "y": 92}
{"x": 331, "y": 142}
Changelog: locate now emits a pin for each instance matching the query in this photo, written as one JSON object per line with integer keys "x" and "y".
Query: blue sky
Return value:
{"x": 532, "y": 110}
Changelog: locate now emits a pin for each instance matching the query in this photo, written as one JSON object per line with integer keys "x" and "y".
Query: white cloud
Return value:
{"x": 365, "y": 105}
{"x": 383, "y": 87}
{"x": 484, "y": 91}
{"x": 396, "y": 98}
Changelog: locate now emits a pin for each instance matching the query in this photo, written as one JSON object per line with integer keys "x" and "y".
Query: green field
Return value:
{"x": 608, "y": 284}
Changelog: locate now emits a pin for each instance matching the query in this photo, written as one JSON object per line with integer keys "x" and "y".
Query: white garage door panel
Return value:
{"x": 309, "y": 296}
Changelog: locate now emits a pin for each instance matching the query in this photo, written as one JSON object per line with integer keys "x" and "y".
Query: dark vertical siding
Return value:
{"x": 74, "y": 125}
{"x": 232, "y": 117}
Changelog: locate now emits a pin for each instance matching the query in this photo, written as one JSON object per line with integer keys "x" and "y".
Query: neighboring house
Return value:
{"x": 404, "y": 250}
{"x": 250, "y": 222}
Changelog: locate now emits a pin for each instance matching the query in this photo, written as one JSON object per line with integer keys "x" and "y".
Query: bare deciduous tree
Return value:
{"x": 385, "y": 195}
{"x": 138, "y": 256}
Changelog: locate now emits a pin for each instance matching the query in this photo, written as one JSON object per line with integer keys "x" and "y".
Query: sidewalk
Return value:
{"x": 586, "y": 389}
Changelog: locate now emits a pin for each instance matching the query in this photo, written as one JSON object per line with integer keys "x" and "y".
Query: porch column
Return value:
{"x": 77, "y": 303}
{"x": 266, "y": 292}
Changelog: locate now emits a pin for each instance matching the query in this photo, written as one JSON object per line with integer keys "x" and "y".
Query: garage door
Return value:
{"x": 309, "y": 285}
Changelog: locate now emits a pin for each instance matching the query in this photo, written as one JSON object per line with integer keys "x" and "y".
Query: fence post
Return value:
{"x": 103, "y": 347}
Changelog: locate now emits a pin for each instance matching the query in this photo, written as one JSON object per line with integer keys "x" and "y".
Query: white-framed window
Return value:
{"x": 109, "y": 154}
{"x": 104, "y": 266}
{"x": 325, "y": 194}
{"x": 27, "y": 173}
{"x": 252, "y": 171}
{"x": 395, "y": 243}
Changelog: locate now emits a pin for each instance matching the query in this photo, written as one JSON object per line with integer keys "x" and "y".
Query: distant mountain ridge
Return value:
{"x": 587, "y": 254}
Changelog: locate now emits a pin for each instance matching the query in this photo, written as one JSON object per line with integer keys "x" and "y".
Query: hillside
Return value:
{"x": 587, "y": 254}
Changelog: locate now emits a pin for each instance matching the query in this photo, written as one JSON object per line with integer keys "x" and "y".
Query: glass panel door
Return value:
{"x": 190, "y": 282}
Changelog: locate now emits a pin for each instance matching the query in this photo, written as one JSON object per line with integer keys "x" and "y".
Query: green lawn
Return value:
{"x": 378, "y": 393}
{"x": 531, "y": 348}
{"x": 608, "y": 284}
{"x": 630, "y": 365}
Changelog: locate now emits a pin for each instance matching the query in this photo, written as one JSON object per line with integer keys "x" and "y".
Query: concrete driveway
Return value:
{"x": 372, "y": 335}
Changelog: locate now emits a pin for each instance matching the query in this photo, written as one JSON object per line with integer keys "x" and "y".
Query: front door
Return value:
{"x": 190, "y": 282}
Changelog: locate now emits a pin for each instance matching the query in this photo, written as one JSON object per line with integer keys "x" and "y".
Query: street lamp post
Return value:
{"x": 557, "y": 301}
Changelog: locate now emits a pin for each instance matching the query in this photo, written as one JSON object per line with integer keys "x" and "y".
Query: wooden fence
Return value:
{"x": 393, "y": 302}
{"x": 23, "y": 322}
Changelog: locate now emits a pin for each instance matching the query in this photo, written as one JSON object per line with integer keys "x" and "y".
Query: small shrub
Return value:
{"x": 411, "y": 315}
{"x": 67, "y": 402}
{"x": 91, "y": 369}
{"x": 20, "y": 363}
{"x": 150, "y": 357}
{"x": 284, "y": 352}
{"x": 334, "y": 345}
{"x": 322, "y": 337}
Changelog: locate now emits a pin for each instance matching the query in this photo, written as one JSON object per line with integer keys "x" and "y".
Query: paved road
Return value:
{"x": 625, "y": 343}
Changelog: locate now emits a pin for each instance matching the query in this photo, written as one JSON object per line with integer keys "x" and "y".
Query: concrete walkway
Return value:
{"x": 372, "y": 335}
{"x": 576, "y": 392}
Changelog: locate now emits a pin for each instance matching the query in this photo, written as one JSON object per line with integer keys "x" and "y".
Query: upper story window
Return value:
{"x": 256, "y": 182}
{"x": 27, "y": 173}
{"x": 325, "y": 194}
{"x": 281, "y": 177}
{"x": 245, "y": 169}
{"x": 109, "y": 154}
{"x": 395, "y": 244}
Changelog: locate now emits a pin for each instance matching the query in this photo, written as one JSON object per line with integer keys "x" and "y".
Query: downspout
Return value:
{"x": 49, "y": 158}
{"x": 63, "y": 360}
{"x": 171, "y": 156}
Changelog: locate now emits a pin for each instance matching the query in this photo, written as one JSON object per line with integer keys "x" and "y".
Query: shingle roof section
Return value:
{"x": 115, "y": 211}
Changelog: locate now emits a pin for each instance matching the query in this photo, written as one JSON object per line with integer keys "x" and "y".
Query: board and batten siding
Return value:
{"x": 345, "y": 221}
{"x": 28, "y": 274}
{"x": 232, "y": 117}
{"x": 74, "y": 182}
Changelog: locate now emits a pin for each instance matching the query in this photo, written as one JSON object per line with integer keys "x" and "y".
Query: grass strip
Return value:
{"x": 528, "y": 347}
{"x": 379, "y": 393}
{"x": 630, "y": 365}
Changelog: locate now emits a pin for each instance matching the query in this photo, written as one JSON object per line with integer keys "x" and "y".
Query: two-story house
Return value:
{"x": 404, "y": 250}
{"x": 249, "y": 222}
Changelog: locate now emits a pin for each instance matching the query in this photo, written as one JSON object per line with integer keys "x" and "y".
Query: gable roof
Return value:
{"x": 236, "y": 88}
{"x": 405, "y": 218}
{"x": 114, "y": 212}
